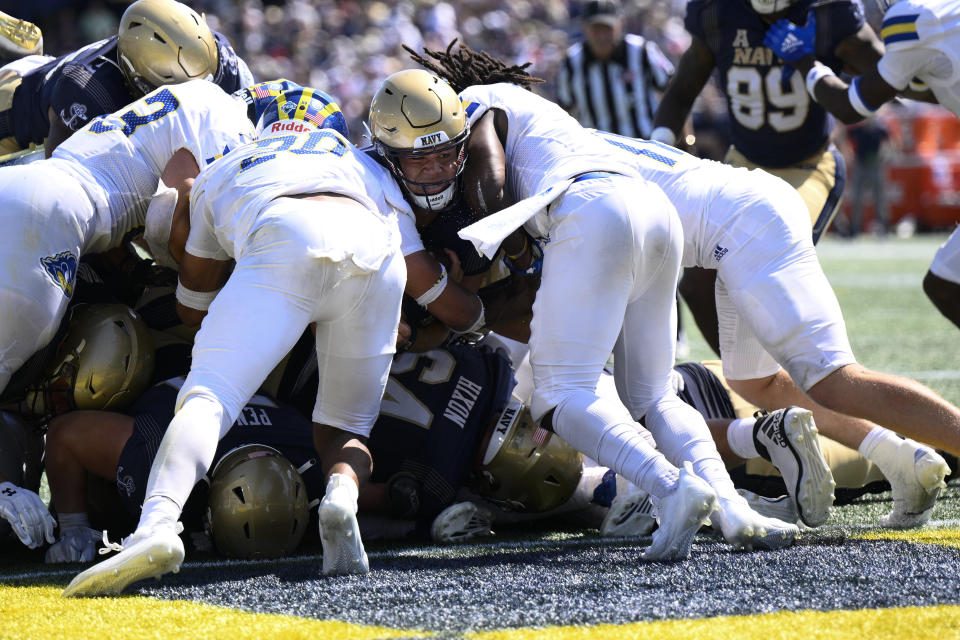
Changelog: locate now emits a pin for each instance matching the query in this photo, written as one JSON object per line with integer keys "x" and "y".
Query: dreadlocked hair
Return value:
{"x": 467, "y": 67}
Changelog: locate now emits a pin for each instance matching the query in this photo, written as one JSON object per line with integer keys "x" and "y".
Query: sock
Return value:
{"x": 603, "y": 429}
{"x": 881, "y": 446}
{"x": 341, "y": 487}
{"x": 683, "y": 436}
{"x": 185, "y": 455}
{"x": 740, "y": 438}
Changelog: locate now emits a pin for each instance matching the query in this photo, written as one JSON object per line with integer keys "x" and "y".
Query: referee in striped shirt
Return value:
{"x": 610, "y": 80}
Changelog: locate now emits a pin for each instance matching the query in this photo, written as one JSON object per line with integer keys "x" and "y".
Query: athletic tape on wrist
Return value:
{"x": 434, "y": 292}
{"x": 817, "y": 72}
{"x": 856, "y": 100}
{"x": 199, "y": 300}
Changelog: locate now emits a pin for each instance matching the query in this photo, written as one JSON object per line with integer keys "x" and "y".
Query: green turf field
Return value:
{"x": 847, "y": 579}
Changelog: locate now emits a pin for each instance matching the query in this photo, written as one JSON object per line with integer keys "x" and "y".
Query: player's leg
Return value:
{"x": 590, "y": 259}
{"x": 272, "y": 295}
{"x": 942, "y": 282}
{"x": 356, "y": 337}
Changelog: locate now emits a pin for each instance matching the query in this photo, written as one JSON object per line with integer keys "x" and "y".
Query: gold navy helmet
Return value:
{"x": 415, "y": 114}
{"x": 164, "y": 42}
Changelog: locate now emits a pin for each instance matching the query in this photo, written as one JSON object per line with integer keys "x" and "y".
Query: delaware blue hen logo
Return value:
{"x": 62, "y": 269}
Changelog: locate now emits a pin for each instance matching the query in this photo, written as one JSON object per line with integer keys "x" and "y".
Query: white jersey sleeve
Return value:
{"x": 921, "y": 40}
{"x": 119, "y": 157}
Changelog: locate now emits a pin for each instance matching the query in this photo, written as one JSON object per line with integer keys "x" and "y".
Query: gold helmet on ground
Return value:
{"x": 105, "y": 361}
{"x": 525, "y": 469}
{"x": 164, "y": 42}
{"x": 415, "y": 114}
{"x": 258, "y": 504}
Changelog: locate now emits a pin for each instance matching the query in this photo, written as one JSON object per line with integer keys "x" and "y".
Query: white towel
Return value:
{"x": 487, "y": 234}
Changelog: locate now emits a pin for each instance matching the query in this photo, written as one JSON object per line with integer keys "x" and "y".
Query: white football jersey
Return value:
{"x": 712, "y": 199}
{"x": 119, "y": 158}
{"x": 229, "y": 195}
{"x": 544, "y": 144}
{"x": 922, "y": 40}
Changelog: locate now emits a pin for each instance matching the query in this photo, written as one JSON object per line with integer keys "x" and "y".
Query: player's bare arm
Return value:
{"x": 455, "y": 306}
{"x": 58, "y": 133}
{"x": 203, "y": 276}
{"x": 693, "y": 71}
{"x": 179, "y": 174}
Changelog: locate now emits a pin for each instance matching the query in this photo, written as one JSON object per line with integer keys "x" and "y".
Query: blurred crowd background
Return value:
{"x": 346, "y": 47}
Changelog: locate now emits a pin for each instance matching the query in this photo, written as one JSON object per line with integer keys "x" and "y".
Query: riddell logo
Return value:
{"x": 296, "y": 127}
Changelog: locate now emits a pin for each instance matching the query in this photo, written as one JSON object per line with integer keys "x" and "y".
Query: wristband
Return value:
{"x": 474, "y": 329}
{"x": 536, "y": 262}
{"x": 199, "y": 300}
{"x": 853, "y": 93}
{"x": 434, "y": 292}
{"x": 526, "y": 243}
{"x": 817, "y": 72}
{"x": 664, "y": 135}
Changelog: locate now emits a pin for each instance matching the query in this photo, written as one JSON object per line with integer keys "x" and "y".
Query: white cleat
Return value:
{"x": 788, "y": 439}
{"x": 143, "y": 555}
{"x": 461, "y": 521}
{"x": 782, "y": 508}
{"x": 916, "y": 483}
{"x": 343, "y": 552}
{"x": 746, "y": 529}
{"x": 681, "y": 514}
{"x": 630, "y": 515}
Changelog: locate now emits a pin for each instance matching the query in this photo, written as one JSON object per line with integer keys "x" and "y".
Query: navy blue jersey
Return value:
{"x": 704, "y": 391}
{"x": 262, "y": 421}
{"x": 436, "y": 410}
{"x": 774, "y": 124}
{"x": 88, "y": 83}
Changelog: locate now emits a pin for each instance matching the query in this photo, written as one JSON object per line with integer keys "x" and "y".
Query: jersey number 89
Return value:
{"x": 750, "y": 94}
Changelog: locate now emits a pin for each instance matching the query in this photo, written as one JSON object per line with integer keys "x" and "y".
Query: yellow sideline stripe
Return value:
{"x": 943, "y": 537}
{"x": 33, "y": 613}
{"x": 907, "y": 623}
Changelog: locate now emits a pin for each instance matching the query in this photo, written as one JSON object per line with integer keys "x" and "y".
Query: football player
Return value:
{"x": 121, "y": 448}
{"x": 160, "y": 42}
{"x": 611, "y": 241}
{"x": 773, "y": 123}
{"x": 95, "y": 191}
{"x": 421, "y": 134}
{"x": 311, "y": 225}
{"x": 780, "y": 322}
{"x": 922, "y": 49}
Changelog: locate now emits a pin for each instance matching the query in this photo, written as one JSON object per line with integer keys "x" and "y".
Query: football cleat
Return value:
{"x": 146, "y": 554}
{"x": 18, "y": 38}
{"x": 746, "y": 529}
{"x": 915, "y": 483}
{"x": 630, "y": 515}
{"x": 461, "y": 521}
{"x": 681, "y": 513}
{"x": 343, "y": 552}
{"x": 782, "y": 508}
{"x": 788, "y": 439}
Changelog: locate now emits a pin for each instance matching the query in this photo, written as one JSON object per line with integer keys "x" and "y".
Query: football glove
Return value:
{"x": 790, "y": 42}
{"x": 27, "y": 515}
{"x": 76, "y": 544}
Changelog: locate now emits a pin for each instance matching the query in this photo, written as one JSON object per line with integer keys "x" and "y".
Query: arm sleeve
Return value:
{"x": 202, "y": 241}
{"x": 410, "y": 241}
{"x": 899, "y": 66}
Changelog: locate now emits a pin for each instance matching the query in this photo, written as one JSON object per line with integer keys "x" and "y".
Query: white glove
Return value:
{"x": 27, "y": 515}
{"x": 76, "y": 544}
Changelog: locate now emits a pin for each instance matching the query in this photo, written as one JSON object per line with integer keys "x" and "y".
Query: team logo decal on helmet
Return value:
{"x": 301, "y": 109}
{"x": 260, "y": 95}
{"x": 415, "y": 114}
{"x": 164, "y": 42}
{"x": 258, "y": 504}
